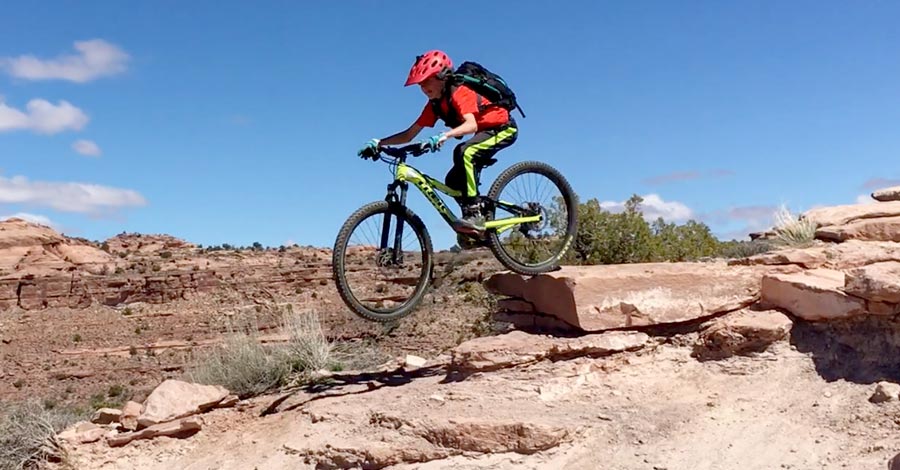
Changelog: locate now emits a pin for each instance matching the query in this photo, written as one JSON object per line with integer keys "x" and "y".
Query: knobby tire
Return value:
{"x": 411, "y": 222}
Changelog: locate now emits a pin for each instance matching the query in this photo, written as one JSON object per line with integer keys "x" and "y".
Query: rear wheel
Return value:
{"x": 536, "y": 188}
{"x": 379, "y": 279}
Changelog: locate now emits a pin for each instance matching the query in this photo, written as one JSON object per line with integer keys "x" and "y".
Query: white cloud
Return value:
{"x": 87, "y": 147}
{"x": 34, "y": 218}
{"x": 653, "y": 207}
{"x": 749, "y": 219}
{"x": 67, "y": 196}
{"x": 42, "y": 117}
{"x": 864, "y": 199}
{"x": 95, "y": 58}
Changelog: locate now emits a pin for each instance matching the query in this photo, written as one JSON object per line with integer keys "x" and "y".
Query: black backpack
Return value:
{"x": 483, "y": 82}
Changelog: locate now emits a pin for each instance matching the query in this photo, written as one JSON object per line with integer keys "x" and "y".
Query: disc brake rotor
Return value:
{"x": 385, "y": 259}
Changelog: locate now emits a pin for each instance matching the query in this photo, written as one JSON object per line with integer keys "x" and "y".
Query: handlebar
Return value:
{"x": 415, "y": 149}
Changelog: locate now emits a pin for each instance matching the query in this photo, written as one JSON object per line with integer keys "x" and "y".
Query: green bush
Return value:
{"x": 605, "y": 237}
{"x": 744, "y": 249}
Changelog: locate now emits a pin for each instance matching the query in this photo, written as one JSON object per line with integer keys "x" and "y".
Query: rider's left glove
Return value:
{"x": 370, "y": 150}
{"x": 435, "y": 142}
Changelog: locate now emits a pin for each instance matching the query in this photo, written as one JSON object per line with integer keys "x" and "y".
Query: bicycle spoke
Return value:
{"x": 533, "y": 243}
{"x": 376, "y": 278}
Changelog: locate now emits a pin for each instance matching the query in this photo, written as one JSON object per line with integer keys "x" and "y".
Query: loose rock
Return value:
{"x": 175, "y": 399}
{"x": 884, "y": 392}
{"x": 106, "y": 416}
{"x": 742, "y": 332}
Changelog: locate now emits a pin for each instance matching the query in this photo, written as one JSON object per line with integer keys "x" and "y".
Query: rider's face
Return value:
{"x": 432, "y": 87}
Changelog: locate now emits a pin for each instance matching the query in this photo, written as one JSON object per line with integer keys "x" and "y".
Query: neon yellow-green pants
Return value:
{"x": 474, "y": 154}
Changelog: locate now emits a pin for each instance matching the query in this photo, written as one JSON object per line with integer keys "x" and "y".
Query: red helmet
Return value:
{"x": 428, "y": 64}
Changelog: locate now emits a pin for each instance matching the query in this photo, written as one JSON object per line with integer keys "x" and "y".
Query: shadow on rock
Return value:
{"x": 336, "y": 385}
{"x": 862, "y": 351}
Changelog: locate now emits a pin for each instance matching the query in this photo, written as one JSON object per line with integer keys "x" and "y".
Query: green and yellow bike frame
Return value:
{"x": 429, "y": 187}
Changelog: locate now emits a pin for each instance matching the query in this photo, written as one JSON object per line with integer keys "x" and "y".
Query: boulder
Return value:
{"x": 106, "y": 416}
{"x": 887, "y": 194}
{"x": 811, "y": 295}
{"x": 742, "y": 332}
{"x": 886, "y": 229}
{"x": 879, "y": 282}
{"x": 598, "y": 298}
{"x": 175, "y": 399}
{"x": 130, "y": 413}
{"x": 844, "y": 214}
{"x": 412, "y": 362}
{"x": 519, "y": 348}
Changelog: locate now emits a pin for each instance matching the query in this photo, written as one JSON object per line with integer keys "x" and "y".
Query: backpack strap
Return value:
{"x": 451, "y": 117}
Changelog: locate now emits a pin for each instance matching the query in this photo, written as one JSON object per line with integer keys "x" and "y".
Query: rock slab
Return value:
{"x": 887, "y": 194}
{"x": 812, "y": 295}
{"x": 878, "y": 282}
{"x": 180, "y": 428}
{"x": 885, "y": 229}
{"x": 844, "y": 214}
{"x": 519, "y": 348}
{"x": 598, "y": 298}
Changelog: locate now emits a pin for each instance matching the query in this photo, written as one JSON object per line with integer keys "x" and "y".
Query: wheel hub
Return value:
{"x": 531, "y": 228}
{"x": 385, "y": 259}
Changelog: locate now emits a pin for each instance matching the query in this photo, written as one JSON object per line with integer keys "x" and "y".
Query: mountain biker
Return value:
{"x": 464, "y": 112}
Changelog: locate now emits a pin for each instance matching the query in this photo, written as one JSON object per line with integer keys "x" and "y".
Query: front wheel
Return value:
{"x": 382, "y": 261}
{"x": 533, "y": 188}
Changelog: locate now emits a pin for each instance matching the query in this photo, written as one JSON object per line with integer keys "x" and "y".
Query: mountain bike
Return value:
{"x": 526, "y": 235}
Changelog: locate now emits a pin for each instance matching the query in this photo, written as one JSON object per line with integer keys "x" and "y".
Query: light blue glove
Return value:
{"x": 370, "y": 150}
{"x": 435, "y": 142}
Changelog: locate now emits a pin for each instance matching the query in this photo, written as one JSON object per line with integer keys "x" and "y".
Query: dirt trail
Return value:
{"x": 658, "y": 408}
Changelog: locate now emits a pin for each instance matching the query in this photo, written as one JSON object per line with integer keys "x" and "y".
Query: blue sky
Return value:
{"x": 235, "y": 122}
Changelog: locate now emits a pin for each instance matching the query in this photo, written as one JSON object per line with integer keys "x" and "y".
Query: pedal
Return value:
{"x": 470, "y": 243}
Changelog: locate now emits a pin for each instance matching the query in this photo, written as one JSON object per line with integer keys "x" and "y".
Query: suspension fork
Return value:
{"x": 391, "y": 198}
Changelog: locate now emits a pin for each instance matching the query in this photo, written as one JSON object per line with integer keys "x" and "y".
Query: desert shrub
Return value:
{"x": 242, "y": 365}
{"x": 793, "y": 231}
{"x": 307, "y": 347}
{"x": 475, "y": 294}
{"x": 744, "y": 249}
{"x": 28, "y": 435}
{"x": 246, "y": 367}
